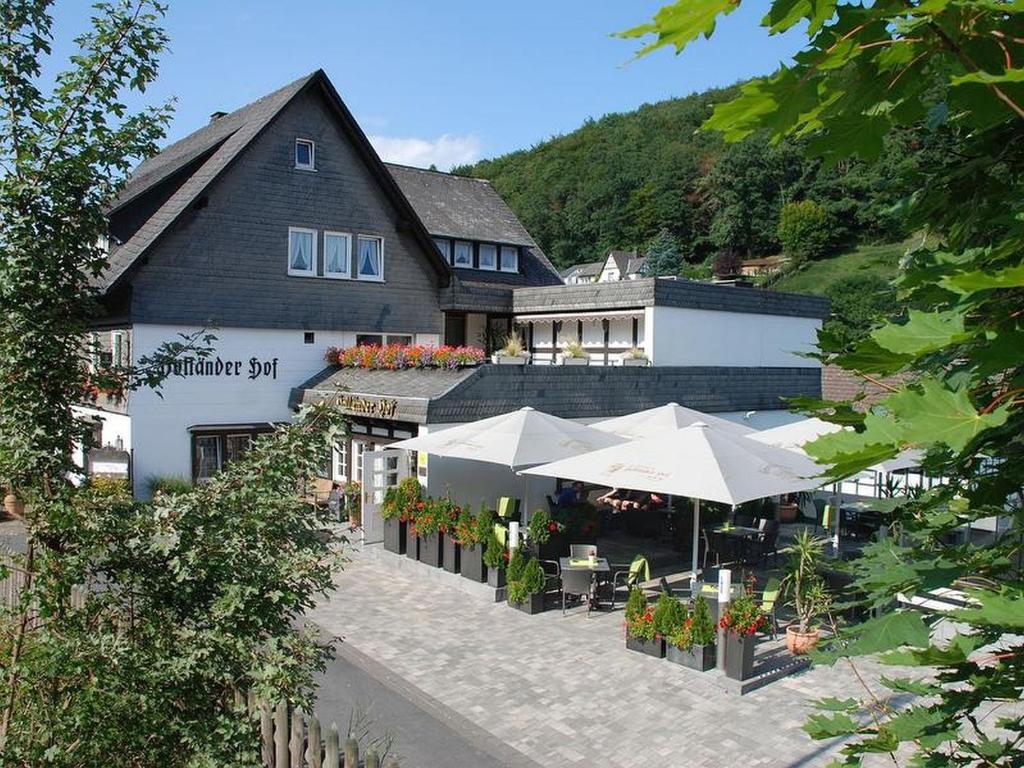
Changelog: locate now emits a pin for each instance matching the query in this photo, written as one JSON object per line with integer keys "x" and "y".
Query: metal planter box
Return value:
{"x": 739, "y": 655}
{"x": 395, "y": 535}
{"x": 430, "y": 549}
{"x": 699, "y": 657}
{"x": 451, "y": 555}
{"x": 472, "y": 563}
{"x": 655, "y": 648}
{"x": 533, "y": 604}
{"x": 412, "y": 545}
{"x": 496, "y": 577}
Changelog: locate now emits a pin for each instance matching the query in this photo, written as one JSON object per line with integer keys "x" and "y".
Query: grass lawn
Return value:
{"x": 817, "y": 276}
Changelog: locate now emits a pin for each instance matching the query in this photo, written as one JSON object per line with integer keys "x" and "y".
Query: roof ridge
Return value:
{"x": 450, "y": 175}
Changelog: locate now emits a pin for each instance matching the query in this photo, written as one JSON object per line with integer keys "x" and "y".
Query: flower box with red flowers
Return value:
{"x": 742, "y": 620}
{"x": 640, "y": 632}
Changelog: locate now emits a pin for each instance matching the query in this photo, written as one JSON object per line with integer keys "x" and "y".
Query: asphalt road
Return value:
{"x": 425, "y": 733}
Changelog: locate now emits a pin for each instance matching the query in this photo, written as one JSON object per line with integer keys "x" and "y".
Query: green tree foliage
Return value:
{"x": 664, "y": 255}
{"x": 805, "y": 230}
{"x": 859, "y": 301}
{"x": 135, "y": 622}
{"x": 949, "y": 74}
{"x": 617, "y": 182}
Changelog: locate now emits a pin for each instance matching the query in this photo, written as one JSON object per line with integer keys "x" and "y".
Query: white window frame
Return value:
{"x": 480, "y": 259}
{"x": 312, "y": 154}
{"x": 446, "y": 252}
{"x": 380, "y": 253}
{"x": 311, "y": 272}
{"x": 515, "y": 254}
{"x": 455, "y": 254}
{"x": 347, "y": 275}
{"x": 117, "y": 347}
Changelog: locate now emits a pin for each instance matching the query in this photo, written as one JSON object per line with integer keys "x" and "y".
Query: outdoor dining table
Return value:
{"x": 739, "y": 531}
{"x": 599, "y": 565}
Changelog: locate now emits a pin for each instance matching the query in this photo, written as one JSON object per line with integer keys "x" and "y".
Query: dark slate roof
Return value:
{"x": 470, "y": 296}
{"x": 621, "y": 259}
{"x": 216, "y": 145}
{"x": 413, "y": 389}
{"x": 667, "y": 292}
{"x": 468, "y": 208}
{"x": 569, "y": 392}
{"x": 636, "y": 265}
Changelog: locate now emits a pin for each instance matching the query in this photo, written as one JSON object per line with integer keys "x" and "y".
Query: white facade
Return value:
{"x": 257, "y": 370}
{"x": 678, "y": 336}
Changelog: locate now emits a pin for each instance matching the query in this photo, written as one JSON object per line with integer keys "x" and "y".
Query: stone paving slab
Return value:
{"x": 564, "y": 690}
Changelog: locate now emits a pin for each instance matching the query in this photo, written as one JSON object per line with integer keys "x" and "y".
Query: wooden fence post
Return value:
{"x": 267, "y": 735}
{"x": 351, "y": 753}
{"x": 331, "y": 754}
{"x": 297, "y": 741}
{"x": 313, "y": 745}
{"x": 281, "y": 735}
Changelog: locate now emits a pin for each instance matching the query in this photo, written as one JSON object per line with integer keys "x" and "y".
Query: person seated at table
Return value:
{"x": 570, "y": 496}
{"x": 611, "y": 499}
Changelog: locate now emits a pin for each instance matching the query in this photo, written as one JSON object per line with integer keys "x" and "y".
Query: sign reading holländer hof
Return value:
{"x": 253, "y": 368}
{"x": 381, "y": 408}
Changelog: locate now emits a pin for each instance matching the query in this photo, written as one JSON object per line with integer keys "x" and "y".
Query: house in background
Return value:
{"x": 768, "y": 265}
{"x": 582, "y": 273}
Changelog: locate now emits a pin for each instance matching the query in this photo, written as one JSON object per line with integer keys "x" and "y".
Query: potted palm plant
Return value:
{"x": 805, "y": 590}
{"x": 693, "y": 644}
{"x": 742, "y": 620}
{"x": 573, "y": 353}
{"x": 640, "y": 634}
{"x": 634, "y": 356}
{"x": 525, "y": 583}
{"x": 512, "y": 353}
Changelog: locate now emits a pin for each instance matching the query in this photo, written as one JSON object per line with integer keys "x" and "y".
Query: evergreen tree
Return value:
{"x": 664, "y": 255}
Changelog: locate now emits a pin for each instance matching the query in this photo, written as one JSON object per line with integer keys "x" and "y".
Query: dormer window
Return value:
{"x": 305, "y": 155}
{"x": 463, "y": 254}
{"x": 509, "y": 258}
{"x": 488, "y": 256}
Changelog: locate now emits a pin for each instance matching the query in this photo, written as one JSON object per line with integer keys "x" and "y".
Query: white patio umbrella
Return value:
{"x": 698, "y": 461}
{"x": 517, "y": 439}
{"x": 796, "y": 435}
{"x": 666, "y": 418}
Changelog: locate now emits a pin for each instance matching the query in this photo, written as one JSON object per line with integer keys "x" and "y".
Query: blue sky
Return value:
{"x": 442, "y": 81}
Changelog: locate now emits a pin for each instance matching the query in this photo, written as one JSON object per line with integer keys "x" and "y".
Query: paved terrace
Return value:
{"x": 547, "y": 690}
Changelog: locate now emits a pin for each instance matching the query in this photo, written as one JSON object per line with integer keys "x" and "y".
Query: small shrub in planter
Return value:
{"x": 448, "y": 520}
{"x": 525, "y": 583}
{"x": 494, "y": 558}
{"x": 573, "y": 353}
{"x": 693, "y": 644}
{"x": 742, "y": 620}
{"x": 640, "y": 635}
{"x": 634, "y": 357}
{"x": 546, "y": 536}
{"x": 512, "y": 353}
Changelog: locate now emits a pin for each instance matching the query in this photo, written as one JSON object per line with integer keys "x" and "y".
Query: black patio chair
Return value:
{"x": 552, "y": 575}
{"x": 628, "y": 575}
{"x": 763, "y": 546}
{"x": 577, "y": 583}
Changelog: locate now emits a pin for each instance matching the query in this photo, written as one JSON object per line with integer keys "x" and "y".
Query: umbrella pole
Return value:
{"x": 696, "y": 542}
{"x": 837, "y": 498}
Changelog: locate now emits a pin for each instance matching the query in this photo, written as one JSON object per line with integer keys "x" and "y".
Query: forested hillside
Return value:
{"x": 619, "y": 181}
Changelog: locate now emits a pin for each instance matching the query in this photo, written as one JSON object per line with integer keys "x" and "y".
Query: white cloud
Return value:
{"x": 444, "y": 152}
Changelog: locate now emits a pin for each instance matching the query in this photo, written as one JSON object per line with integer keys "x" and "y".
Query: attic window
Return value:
{"x": 509, "y": 259}
{"x": 305, "y": 154}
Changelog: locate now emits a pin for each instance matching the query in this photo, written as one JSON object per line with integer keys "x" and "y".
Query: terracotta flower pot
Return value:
{"x": 799, "y": 643}
{"x": 14, "y": 506}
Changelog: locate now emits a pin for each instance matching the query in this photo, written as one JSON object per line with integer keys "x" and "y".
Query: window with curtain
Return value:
{"x": 488, "y": 256}
{"x": 301, "y": 251}
{"x": 463, "y": 254}
{"x": 304, "y": 154}
{"x": 445, "y": 247}
{"x": 337, "y": 250}
{"x": 370, "y": 262}
{"x": 509, "y": 258}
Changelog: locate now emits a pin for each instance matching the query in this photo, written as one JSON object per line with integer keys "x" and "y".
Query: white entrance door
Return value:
{"x": 382, "y": 469}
